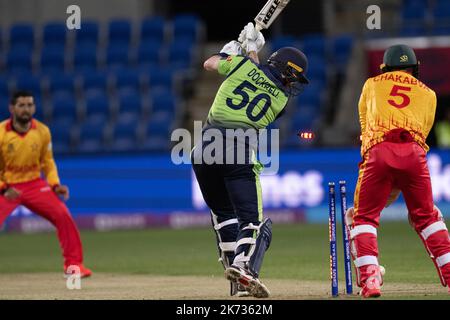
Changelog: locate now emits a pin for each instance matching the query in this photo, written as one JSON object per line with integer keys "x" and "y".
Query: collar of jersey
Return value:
{"x": 267, "y": 71}
{"x": 9, "y": 126}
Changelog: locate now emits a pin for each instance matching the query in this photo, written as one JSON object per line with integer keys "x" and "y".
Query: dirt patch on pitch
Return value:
{"x": 120, "y": 286}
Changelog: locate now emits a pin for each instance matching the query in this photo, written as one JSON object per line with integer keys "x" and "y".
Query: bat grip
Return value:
{"x": 258, "y": 27}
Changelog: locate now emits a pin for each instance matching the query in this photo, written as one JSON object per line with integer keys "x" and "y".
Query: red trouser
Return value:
{"x": 37, "y": 196}
{"x": 390, "y": 165}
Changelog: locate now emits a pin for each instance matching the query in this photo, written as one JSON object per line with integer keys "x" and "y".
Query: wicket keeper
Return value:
{"x": 396, "y": 113}
{"x": 26, "y": 154}
{"x": 252, "y": 96}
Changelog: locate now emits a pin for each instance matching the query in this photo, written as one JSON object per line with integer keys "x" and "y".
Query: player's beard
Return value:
{"x": 24, "y": 119}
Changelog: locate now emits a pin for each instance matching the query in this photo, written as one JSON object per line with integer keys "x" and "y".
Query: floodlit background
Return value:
{"x": 113, "y": 91}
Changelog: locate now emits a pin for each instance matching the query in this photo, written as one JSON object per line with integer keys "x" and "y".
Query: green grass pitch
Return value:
{"x": 297, "y": 252}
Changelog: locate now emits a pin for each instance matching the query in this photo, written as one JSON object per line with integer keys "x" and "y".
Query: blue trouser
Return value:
{"x": 231, "y": 191}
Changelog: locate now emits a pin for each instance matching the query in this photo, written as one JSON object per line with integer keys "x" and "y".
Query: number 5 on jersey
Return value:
{"x": 397, "y": 92}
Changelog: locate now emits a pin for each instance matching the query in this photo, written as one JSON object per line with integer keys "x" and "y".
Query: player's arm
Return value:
{"x": 431, "y": 115}
{"x": 250, "y": 42}
{"x": 232, "y": 48}
{"x": 3, "y": 185}
{"x": 48, "y": 167}
{"x": 362, "y": 107}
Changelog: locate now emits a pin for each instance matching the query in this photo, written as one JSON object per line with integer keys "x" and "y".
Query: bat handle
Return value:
{"x": 258, "y": 27}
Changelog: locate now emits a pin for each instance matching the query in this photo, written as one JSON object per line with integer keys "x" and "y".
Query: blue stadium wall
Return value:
{"x": 127, "y": 192}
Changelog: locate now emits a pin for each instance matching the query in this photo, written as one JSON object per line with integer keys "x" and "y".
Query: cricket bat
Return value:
{"x": 269, "y": 13}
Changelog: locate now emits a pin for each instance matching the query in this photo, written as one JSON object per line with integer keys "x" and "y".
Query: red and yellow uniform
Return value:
{"x": 24, "y": 158}
{"x": 396, "y": 114}
{"x": 395, "y": 100}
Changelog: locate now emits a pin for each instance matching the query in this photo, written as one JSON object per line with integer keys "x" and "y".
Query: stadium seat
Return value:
{"x": 125, "y": 133}
{"x": 85, "y": 59}
{"x": 415, "y": 11}
{"x": 186, "y": 27}
{"x": 64, "y": 108}
{"x": 180, "y": 55}
{"x": 117, "y": 57}
{"x": 315, "y": 44}
{"x": 19, "y": 61}
{"x": 441, "y": 13}
{"x": 304, "y": 117}
{"x": 130, "y": 103}
{"x": 407, "y": 3}
{"x": 52, "y": 60}
{"x": 284, "y": 41}
{"x": 441, "y": 30}
{"x": 41, "y": 109}
{"x": 163, "y": 101}
{"x": 158, "y": 132}
{"x": 4, "y": 87}
{"x": 62, "y": 83}
{"x": 158, "y": 77}
{"x": 342, "y": 46}
{"x": 91, "y": 135}
{"x": 127, "y": 80}
{"x": 310, "y": 96}
{"x": 55, "y": 34}
{"x": 119, "y": 32}
{"x": 61, "y": 136}
{"x": 413, "y": 30}
{"x": 95, "y": 82}
{"x": 21, "y": 35}
{"x": 88, "y": 34}
{"x": 29, "y": 83}
{"x": 317, "y": 68}
{"x": 97, "y": 105}
{"x": 149, "y": 54}
{"x": 153, "y": 30}
{"x": 4, "y": 107}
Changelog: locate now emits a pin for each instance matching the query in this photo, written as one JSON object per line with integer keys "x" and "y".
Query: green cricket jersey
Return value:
{"x": 248, "y": 98}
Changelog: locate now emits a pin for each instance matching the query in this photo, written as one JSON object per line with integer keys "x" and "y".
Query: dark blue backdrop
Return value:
{"x": 152, "y": 184}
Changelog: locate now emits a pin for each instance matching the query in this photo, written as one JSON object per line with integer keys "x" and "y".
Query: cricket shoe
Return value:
{"x": 371, "y": 289}
{"x": 251, "y": 284}
{"x": 238, "y": 290}
{"x": 77, "y": 269}
{"x": 241, "y": 292}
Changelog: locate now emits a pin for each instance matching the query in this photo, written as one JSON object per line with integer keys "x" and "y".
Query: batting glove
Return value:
{"x": 251, "y": 39}
{"x": 232, "y": 48}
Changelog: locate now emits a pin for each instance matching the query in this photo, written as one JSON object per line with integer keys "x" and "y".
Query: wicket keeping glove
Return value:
{"x": 251, "y": 39}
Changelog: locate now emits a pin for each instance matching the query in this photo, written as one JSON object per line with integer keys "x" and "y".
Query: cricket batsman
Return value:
{"x": 26, "y": 154}
{"x": 396, "y": 113}
{"x": 251, "y": 97}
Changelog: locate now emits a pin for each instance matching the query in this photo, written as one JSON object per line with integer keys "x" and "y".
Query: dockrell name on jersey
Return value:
{"x": 250, "y": 96}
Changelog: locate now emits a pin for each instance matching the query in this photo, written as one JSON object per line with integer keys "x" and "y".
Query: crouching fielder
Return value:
{"x": 396, "y": 113}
